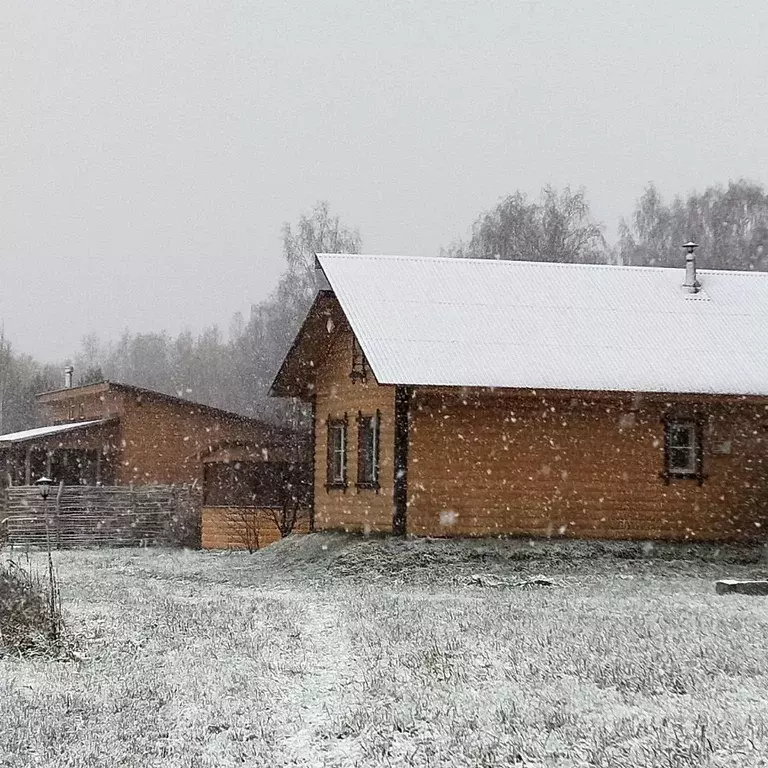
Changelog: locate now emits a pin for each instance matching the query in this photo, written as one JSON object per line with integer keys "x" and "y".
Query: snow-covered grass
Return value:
{"x": 331, "y": 651}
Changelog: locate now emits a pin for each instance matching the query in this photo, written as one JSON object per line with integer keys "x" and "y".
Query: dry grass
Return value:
{"x": 293, "y": 657}
{"x": 30, "y": 611}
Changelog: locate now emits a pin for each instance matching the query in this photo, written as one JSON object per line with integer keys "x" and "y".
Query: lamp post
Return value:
{"x": 44, "y": 485}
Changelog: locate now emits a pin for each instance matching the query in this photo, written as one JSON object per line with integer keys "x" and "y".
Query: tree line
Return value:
{"x": 234, "y": 370}
{"x": 729, "y": 223}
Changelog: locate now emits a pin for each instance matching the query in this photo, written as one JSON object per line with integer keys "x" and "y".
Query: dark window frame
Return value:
{"x": 695, "y": 423}
{"x": 368, "y": 425}
{"x": 333, "y": 480}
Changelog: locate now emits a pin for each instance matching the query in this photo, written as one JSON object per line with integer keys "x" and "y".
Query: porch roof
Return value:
{"x": 38, "y": 432}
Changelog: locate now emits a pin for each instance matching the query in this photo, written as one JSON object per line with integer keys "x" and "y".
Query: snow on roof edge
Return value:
{"x": 526, "y": 326}
{"x": 544, "y": 264}
{"x": 31, "y": 434}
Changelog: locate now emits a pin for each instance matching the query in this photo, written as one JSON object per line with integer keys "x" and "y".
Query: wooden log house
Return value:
{"x": 116, "y": 434}
{"x": 458, "y": 397}
{"x": 113, "y": 434}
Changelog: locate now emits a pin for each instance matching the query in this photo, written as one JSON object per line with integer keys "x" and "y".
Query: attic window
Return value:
{"x": 359, "y": 363}
{"x": 683, "y": 449}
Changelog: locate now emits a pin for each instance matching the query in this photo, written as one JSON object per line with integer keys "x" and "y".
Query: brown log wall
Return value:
{"x": 337, "y": 394}
{"x": 158, "y": 441}
{"x": 162, "y": 442}
{"x": 84, "y": 405}
{"x": 589, "y": 465}
{"x": 499, "y": 463}
{"x": 242, "y": 527}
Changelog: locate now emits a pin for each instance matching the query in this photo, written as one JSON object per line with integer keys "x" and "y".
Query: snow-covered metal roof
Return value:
{"x": 487, "y": 323}
{"x": 32, "y": 434}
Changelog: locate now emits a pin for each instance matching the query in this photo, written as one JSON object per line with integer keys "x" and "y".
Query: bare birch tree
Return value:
{"x": 557, "y": 227}
{"x": 729, "y": 223}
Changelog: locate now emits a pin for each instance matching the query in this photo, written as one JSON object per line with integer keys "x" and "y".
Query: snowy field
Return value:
{"x": 325, "y": 651}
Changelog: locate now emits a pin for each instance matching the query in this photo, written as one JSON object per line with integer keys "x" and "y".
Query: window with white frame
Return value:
{"x": 683, "y": 448}
{"x": 368, "y": 451}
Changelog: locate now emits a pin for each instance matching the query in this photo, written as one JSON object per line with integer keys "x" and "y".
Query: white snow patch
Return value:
{"x": 448, "y": 517}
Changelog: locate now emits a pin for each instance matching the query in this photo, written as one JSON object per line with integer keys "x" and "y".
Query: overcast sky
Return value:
{"x": 151, "y": 151}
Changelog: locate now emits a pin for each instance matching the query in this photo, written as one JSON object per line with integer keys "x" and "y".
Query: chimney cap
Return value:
{"x": 691, "y": 284}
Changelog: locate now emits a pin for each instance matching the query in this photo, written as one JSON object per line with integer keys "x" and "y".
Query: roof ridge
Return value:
{"x": 178, "y": 400}
{"x": 541, "y": 264}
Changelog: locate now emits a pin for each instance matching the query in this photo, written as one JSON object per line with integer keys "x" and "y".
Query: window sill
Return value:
{"x": 336, "y": 486}
{"x": 668, "y": 476}
{"x": 368, "y": 487}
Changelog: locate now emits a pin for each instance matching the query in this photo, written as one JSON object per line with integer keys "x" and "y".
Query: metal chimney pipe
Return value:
{"x": 68, "y": 371}
{"x": 691, "y": 283}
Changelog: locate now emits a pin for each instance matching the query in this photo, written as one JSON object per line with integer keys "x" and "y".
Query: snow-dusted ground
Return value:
{"x": 332, "y": 651}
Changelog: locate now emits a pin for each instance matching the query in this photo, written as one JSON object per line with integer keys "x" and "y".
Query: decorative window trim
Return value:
{"x": 331, "y": 481}
{"x": 359, "y": 370}
{"x": 368, "y": 483}
{"x": 697, "y": 473}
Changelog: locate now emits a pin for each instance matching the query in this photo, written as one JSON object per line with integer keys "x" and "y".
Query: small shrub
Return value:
{"x": 30, "y": 610}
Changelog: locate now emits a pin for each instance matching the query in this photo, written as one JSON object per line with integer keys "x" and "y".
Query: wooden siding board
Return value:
{"x": 225, "y": 527}
{"x": 162, "y": 441}
{"x": 511, "y": 465}
{"x": 403, "y": 397}
{"x": 83, "y": 404}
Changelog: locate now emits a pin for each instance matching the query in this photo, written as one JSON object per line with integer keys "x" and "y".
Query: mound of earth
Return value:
{"x": 502, "y": 560}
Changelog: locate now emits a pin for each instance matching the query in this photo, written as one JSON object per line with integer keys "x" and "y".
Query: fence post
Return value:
{"x": 57, "y": 513}
{"x": 4, "y": 507}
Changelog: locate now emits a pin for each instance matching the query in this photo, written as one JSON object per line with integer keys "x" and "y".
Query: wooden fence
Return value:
{"x": 111, "y": 516}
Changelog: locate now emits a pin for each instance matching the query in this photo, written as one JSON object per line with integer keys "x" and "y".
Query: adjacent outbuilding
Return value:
{"x": 117, "y": 434}
{"x": 112, "y": 435}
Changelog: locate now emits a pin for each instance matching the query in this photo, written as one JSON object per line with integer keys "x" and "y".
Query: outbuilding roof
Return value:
{"x": 539, "y": 325}
{"x": 67, "y": 393}
{"x": 38, "y": 432}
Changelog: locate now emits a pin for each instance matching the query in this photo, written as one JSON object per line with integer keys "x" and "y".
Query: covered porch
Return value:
{"x": 78, "y": 453}
{"x": 253, "y": 495}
